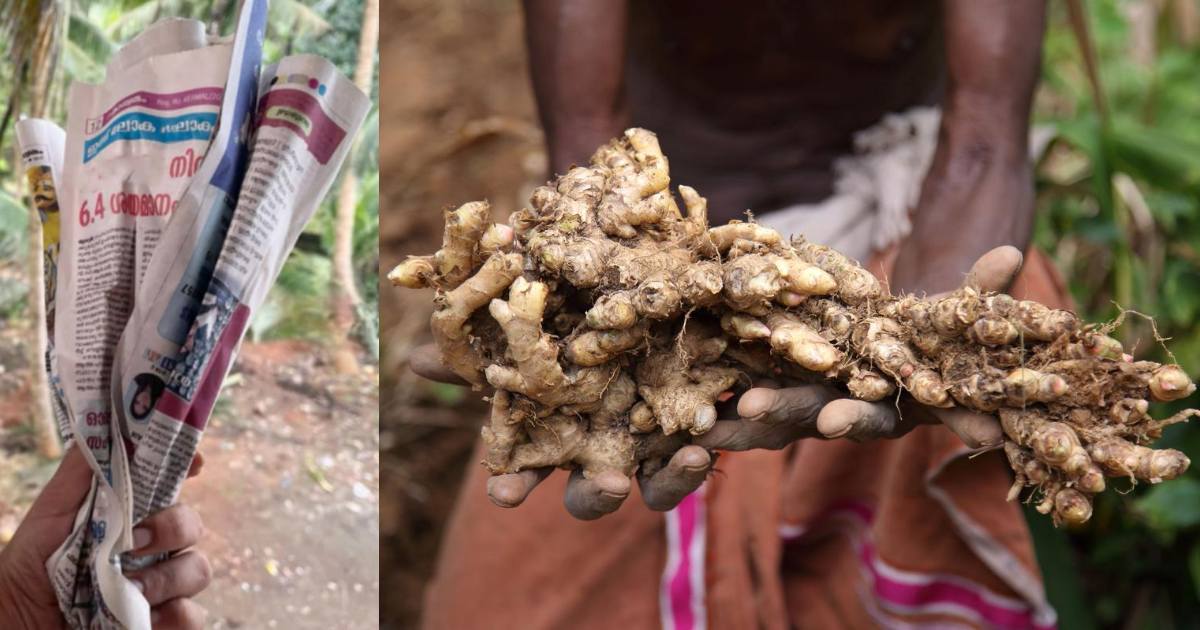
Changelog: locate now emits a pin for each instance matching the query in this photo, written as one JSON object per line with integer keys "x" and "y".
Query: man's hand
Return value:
{"x": 589, "y": 499}
{"x": 772, "y": 417}
{"x": 769, "y": 417}
{"x": 585, "y": 499}
{"x": 27, "y": 599}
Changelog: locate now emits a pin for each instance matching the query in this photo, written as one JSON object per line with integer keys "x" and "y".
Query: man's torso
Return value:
{"x": 754, "y": 102}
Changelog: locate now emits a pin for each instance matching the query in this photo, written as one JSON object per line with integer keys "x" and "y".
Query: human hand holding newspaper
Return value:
{"x": 27, "y": 599}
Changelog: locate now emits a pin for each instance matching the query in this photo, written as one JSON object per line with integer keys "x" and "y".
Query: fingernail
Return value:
{"x": 141, "y": 537}
{"x": 694, "y": 461}
{"x": 834, "y": 428}
{"x": 502, "y": 495}
{"x": 840, "y": 433}
{"x": 755, "y": 418}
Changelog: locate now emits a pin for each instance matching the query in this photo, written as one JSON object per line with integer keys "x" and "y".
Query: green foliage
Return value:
{"x": 1171, "y": 507}
{"x": 1119, "y": 209}
{"x": 330, "y": 29}
{"x": 366, "y": 258}
{"x": 14, "y": 219}
{"x": 298, "y": 305}
{"x": 365, "y": 239}
{"x": 14, "y": 288}
{"x": 340, "y": 43}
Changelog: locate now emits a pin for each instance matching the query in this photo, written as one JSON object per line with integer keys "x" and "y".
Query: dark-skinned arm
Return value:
{"x": 979, "y": 190}
{"x": 577, "y": 63}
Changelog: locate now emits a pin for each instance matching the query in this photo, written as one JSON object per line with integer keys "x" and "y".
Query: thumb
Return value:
{"x": 66, "y": 490}
{"x": 426, "y": 361}
{"x": 976, "y": 430}
{"x": 995, "y": 270}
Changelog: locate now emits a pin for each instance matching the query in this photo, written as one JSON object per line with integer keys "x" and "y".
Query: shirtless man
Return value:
{"x": 752, "y": 103}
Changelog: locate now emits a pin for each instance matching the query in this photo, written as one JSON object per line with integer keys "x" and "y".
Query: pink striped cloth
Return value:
{"x": 681, "y": 594}
{"x": 889, "y": 589}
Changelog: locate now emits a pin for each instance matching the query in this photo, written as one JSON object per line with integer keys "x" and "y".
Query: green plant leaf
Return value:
{"x": 14, "y": 220}
{"x": 1155, "y": 155}
{"x": 1181, "y": 292}
{"x": 1171, "y": 506}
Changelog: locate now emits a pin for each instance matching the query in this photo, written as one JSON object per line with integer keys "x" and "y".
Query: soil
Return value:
{"x": 458, "y": 125}
{"x": 288, "y": 492}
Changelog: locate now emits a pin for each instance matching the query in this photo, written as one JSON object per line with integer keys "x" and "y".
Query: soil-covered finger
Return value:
{"x": 976, "y": 430}
{"x": 589, "y": 499}
{"x": 789, "y": 405}
{"x": 995, "y": 270}
{"x": 745, "y": 435}
{"x": 681, "y": 476}
{"x": 511, "y": 490}
{"x": 860, "y": 420}
{"x": 426, "y": 361}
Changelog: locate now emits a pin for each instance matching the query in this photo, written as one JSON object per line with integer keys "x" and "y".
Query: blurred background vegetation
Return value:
{"x": 299, "y": 306}
{"x": 1119, "y": 210}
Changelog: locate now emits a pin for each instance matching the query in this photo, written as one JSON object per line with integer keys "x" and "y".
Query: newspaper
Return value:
{"x": 135, "y": 144}
{"x": 191, "y": 313}
{"x": 154, "y": 299}
{"x": 41, "y": 144}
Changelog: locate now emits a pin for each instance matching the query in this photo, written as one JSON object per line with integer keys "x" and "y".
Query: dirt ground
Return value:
{"x": 458, "y": 124}
{"x": 288, "y": 492}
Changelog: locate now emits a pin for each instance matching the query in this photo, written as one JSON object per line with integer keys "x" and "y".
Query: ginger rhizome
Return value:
{"x": 611, "y": 322}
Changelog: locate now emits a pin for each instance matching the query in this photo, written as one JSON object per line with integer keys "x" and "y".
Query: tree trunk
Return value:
{"x": 41, "y": 413}
{"x": 1142, "y": 17}
{"x": 1187, "y": 22}
{"x": 344, "y": 291}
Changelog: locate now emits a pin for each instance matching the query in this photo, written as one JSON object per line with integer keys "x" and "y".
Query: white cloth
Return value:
{"x": 877, "y": 186}
{"x": 874, "y": 188}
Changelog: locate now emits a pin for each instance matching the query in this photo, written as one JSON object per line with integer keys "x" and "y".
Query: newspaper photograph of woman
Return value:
{"x": 147, "y": 390}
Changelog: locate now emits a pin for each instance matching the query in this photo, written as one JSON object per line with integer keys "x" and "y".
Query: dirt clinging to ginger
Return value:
{"x": 610, "y": 322}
